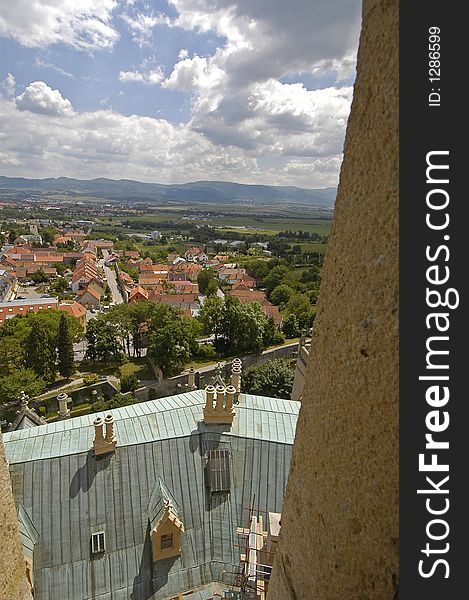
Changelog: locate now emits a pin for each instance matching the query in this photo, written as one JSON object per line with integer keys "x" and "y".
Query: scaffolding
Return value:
{"x": 257, "y": 554}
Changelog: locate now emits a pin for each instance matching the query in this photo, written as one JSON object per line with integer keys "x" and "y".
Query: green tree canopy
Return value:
{"x": 279, "y": 274}
{"x": 65, "y": 352}
{"x": 274, "y": 378}
{"x": 40, "y": 351}
{"x": 290, "y": 326}
{"x": 211, "y": 314}
{"x": 281, "y": 294}
{"x": 242, "y": 327}
{"x": 204, "y": 278}
{"x": 19, "y": 380}
{"x": 172, "y": 344}
{"x": 102, "y": 341}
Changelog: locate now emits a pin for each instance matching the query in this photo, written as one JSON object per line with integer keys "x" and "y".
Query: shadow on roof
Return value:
{"x": 84, "y": 476}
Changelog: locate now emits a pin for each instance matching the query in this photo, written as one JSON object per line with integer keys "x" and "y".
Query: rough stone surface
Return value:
{"x": 339, "y": 537}
{"x": 13, "y": 582}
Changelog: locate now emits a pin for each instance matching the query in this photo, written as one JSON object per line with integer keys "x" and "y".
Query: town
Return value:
{"x": 112, "y": 319}
{"x": 116, "y": 343}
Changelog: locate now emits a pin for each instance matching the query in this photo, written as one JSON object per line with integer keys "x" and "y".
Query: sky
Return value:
{"x": 171, "y": 91}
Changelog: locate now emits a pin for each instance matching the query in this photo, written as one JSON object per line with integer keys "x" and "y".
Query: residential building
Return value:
{"x": 195, "y": 254}
{"x": 89, "y": 298}
{"x": 75, "y": 310}
{"x": 28, "y": 239}
{"x": 140, "y": 511}
{"x": 8, "y": 285}
{"x": 11, "y": 309}
{"x": 138, "y": 294}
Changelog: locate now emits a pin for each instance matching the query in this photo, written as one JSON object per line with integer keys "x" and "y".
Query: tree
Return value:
{"x": 242, "y": 327}
{"x": 290, "y": 326}
{"x": 39, "y": 277}
{"x": 281, "y": 294}
{"x": 40, "y": 354}
{"x": 102, "y": 341}
{"x": 204, "y": 278}
{"x": 47, "y": 234}
{"x": 129, "y": 382}
{"x": 128, "y": 377}
{"x": 212, "y": 288}
{"x": 19, "y": 380}
{"x": 60, "y": 285}
{"x": 272, "y": 335}
{"x": 65, "y": 348}
{"x": 173, "y": 344}
{"x": 211, "y": 315}
{"x": 313, "y": 274}
{"x": 11, "y": 353}
{"x": 274, "y": 378}
{"x": 280, "y": 274}
{"x": 301, "y": 307}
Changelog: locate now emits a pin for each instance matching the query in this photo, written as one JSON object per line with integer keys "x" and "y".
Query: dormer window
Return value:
{"x": 98, "y": 543}
{"x": 167, "y": 541}
{"x": 166, "y": 527}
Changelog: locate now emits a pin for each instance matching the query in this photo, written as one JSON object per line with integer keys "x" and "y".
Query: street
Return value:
{"x": 111, "y": 280}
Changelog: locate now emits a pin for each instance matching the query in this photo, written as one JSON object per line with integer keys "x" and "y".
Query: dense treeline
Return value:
{"x": 170, "y": 338}
{"x": 34, "y": 349}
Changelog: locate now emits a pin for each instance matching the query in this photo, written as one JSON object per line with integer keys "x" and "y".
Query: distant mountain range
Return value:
{"x": 197, "y": 192}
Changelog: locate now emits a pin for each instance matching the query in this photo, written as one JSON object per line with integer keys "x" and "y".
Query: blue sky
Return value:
{"x": 255, "y": 91}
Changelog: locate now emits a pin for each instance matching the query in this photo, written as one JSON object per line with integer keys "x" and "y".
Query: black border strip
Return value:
{"x": 433, "y": 123}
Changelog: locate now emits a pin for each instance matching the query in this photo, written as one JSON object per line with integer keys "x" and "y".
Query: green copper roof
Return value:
{"x": 257, "y": 417}
{"x": 66, "y": 494}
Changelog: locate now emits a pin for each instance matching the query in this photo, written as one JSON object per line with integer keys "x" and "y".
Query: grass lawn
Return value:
{"x": 145, "y": 372}
{"x": 100, "y": 369}
{"x": 56, "y": 391}
{"x": 164, "y": 248}
{"x": 314, "y": 247}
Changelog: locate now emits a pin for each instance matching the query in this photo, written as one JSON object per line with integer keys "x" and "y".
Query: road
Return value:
{"x": 112, "y": 282}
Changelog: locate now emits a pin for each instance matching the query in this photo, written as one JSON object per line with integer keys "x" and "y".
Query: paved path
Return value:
{"x": 112, "y": 282}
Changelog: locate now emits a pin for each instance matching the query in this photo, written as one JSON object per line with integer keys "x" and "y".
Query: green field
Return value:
{"x": 266, "y": 225}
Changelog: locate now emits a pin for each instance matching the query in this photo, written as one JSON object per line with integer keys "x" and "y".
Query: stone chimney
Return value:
{"x": 209, "y": 395}
{"x": 64, "y": 411}
{"x": 236, "y": 369}
{"x": 230, "y": 395}
{"x": 104, "y": 442}
{"x": 222, "y": 412}
{"x": 191, "y": 379}
{"x": 110, "y": 433}
{"x": 24, "y": 399}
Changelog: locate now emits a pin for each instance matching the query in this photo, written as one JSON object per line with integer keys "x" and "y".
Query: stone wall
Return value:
{"x": 339, "y": 537}
{"x": 13, "y": 582}
{"x": 176, "y": 385}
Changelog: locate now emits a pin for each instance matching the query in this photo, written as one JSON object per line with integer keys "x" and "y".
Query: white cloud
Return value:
{"x": 237, "y": 96}
{"x": 105, "y": 143}
{"x": 81, "y": 24}
{"x": 8, "y": 85}
{"x": 245, "y": 125}
{"x": 195, "y": 74}
{"x": 38, "y": 62}
{"x": 271, "y": 38}
{"x": 151, "y": 77}
{"x": 142, "y": 25}
{"x": 39, "y": 98}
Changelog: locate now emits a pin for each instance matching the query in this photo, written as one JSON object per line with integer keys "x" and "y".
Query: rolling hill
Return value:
{"x": 210, "y": 192}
